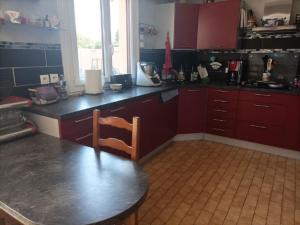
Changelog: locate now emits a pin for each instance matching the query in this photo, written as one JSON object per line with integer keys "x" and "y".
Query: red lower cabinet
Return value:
{"x": 191, "y": 110}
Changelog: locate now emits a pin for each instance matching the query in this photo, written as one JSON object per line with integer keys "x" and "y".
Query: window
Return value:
{"x": 93, "y": 24}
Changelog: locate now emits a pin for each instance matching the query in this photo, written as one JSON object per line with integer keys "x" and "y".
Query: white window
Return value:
{"x": 98, "y": 34}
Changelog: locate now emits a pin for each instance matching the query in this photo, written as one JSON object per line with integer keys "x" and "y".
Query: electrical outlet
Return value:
{"x": 44, "y": 79}
{"x": 54, "y": 78}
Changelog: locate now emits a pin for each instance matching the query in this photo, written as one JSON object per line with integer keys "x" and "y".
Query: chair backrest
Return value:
{"x": 114, "y": 143}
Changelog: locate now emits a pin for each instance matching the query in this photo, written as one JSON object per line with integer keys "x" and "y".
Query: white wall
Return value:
{"x": 19, "y": 33}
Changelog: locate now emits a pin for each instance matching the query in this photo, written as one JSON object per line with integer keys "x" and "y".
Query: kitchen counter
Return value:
{"x": 81, "y": 104}
{"x": 49, "y": 181}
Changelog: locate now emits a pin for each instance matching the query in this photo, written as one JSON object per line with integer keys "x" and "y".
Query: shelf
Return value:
{"x": 8, "y": 24}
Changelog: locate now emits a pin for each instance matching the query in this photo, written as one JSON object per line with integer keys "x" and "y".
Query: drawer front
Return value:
{"x": 221, "y": 131}
{"x": 270, "y": 114}
{"x": 222, "y": 113}
{"x": 222, "y": 94}
{"x": 260, "y": 133}
{"x": 220, "y": 122}
{"x": 73, "y": 126}
{"x": 220, "y": 103}
{"x": 263, "y": 97}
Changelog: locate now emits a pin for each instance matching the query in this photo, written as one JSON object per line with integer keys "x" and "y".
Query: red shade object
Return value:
{"x": 168, "y": 61}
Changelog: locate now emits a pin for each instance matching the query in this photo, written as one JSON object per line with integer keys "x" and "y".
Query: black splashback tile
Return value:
{"x": 153, "y": 55}
{"x": 55, "y": 69}
{"x": 22, "y": 58}
{"x": 6, "y": 78}
{"x": 29, "y": 76}
{"x": 53, "y": 57}
{"x": 185, "y": 59}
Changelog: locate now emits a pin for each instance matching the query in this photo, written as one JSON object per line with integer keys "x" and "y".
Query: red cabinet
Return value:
{"x": 269, "y": 118}
{"x": 221, "y": 113}
{"x": 218, "y": 25}
{"x": 185, "y": 26}
{"x": 191, "y": 110}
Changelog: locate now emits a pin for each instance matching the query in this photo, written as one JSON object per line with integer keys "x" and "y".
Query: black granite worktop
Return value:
{"x": 81, "y": 104}
{"x": 49, "y": 181}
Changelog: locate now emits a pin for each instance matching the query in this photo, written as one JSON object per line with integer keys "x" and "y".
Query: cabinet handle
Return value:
{"x": 222, "y": 91}
{"x": 218, "y": 120}
{"x": 117, "y": 110}
{"x": 218, "y": 129}
{"x": 84, "y": 137}
{"x": 221, "y": 110}
{"x": 262, "y": 106}
{"x": 260, "y": 127}
{"x": 263, "y": 95}
{"x": 221, "y": 101}
{"x": 84, "y": 119}
{"x": 147, "y": 101}
{"x": 193, "y": 90}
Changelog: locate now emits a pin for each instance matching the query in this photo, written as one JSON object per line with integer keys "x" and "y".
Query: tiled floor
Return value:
{"x": 199, "y": 182}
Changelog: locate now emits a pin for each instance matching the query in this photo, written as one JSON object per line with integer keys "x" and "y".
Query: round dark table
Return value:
{"x": 44, "y": 180}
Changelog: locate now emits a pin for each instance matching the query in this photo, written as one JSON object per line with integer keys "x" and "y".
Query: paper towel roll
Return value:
{"x": 93, "y": 82}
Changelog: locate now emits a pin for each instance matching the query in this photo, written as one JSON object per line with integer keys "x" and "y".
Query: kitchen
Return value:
{"x": 208, "y": 89}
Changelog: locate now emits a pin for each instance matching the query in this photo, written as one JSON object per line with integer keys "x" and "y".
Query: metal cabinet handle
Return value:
{"x": 260, "y": 127}
{"x": 218, "y": 120}
{"x": 222, "y": 91}
{"x": 147, "y": 101}
{"x": 217, "y": 129}
{"x": 263, "y": 95}
{"x": 221, "y": 101}
{"x": 117, "y": 110}
{"x": 193, "y": 90}
{"x": 84, "y": 137}
{"x": 84, "y": 119}
{"x": 262, "y": 106}
{"x": 221, "y": 110}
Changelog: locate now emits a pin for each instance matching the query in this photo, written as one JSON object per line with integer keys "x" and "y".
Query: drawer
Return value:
{"x": 221, "y": 131}
{"x": 69, "y": 127}
{"x": 84, "y": 139}
{"x": 221, "y": 122}
{"x": 222, "y": 94}
{"x": 270, "y": 114}
{"x": 263, "y": 97}
{"x": 221, "y": 103}
{"x": 222, "y": 113}
{"x": 260, "y": 133}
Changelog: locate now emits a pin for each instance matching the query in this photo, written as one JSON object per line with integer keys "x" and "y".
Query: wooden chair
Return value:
{"x": 118, "y": 144}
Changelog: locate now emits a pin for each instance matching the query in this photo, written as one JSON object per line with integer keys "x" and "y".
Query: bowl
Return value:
{"x": 116, "y": 87}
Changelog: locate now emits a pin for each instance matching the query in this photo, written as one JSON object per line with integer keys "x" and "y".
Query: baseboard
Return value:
{"x": 155, "y": 151}
{"x": 240, "y": 143}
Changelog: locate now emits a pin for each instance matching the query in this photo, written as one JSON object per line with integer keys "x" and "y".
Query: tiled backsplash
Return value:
{"x": 22, "y": 64}
{"x": 287, "y": 62}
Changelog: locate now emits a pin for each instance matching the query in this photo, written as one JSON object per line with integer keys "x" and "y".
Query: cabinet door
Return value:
{"x": 218, "y": 25}
{"x": 191, "y": 110}
{"x": 186, "y": 25}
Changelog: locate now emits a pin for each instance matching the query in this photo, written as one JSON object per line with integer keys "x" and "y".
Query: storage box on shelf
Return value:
{"x": 221, "y": 113}
{"x": 191, "y": 110}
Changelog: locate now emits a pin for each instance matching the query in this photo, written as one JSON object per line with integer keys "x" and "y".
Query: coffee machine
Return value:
{"x": 235, "y": 72}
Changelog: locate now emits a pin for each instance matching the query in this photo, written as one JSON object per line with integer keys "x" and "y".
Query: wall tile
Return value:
{"x": 28, "y": 76}
{"x": 6, "y": 78}
{"x": 53, "y": 57}
{"x": 22, "y": 58}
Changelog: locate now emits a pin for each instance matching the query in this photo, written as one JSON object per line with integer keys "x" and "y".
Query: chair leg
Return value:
{"x": 133, "y": 219}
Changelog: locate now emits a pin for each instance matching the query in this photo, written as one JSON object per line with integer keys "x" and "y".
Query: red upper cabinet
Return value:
{"x": 218, "y": 25}
{"x": 185, "y": 26}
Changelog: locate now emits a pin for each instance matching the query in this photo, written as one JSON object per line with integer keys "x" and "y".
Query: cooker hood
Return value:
{"x": 277, "y": 15}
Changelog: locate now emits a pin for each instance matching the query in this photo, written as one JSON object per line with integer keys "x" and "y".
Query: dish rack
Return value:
{"x": 13, "y": 123}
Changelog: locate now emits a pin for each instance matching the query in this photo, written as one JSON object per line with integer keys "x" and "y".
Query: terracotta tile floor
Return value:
{"x": 199, "y": 182}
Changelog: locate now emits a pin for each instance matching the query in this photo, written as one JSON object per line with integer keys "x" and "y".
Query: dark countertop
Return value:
{"x": 81, "y": 104}
{"x": 48, "y": 181}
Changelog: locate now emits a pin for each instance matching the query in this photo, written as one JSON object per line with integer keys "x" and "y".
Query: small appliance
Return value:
{"x": 44, "y": 95}
{"x": 147, "y": 75}
{"x": 124, "y": 79}
{"x": 236, "y": 69}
